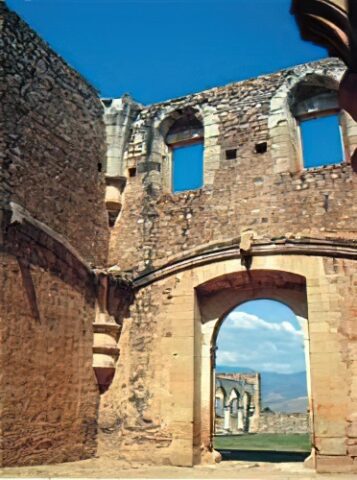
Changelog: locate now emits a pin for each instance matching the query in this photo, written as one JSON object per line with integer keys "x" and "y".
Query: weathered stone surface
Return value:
{"x": 186, "y": 254}
{"x": 247, "y": 193}
{"x": 284, "y": 423}
{"x": 49, "y": 394}
{"x": 54, "y": 140}
{"x": 53, "y": 226}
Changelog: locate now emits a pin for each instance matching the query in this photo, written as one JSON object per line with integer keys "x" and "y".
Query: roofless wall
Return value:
{"x": 53, "y": 223}
{"x": 262, "y": 224}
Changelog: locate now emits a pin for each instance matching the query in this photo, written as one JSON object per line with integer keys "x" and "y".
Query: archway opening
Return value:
{"x": 260, "y": 384}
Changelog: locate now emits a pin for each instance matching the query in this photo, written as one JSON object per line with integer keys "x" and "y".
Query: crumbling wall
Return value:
{"x": 248, "y": 192}
{"x": 53, "y": 225}
{"x": 54, "y": 136}
{"x": 301, "y": 221}
{"x": 285, "y": 423}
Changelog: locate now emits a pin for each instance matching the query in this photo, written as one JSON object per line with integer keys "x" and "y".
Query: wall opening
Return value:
{"x": 261, "y": 402}
{"x": 231, "y": 154}
{"x": 261, "y": 147}
{"x": 186, "y": 150}
{"x": 187, "y": 171}
{"x": 321, "y": 141}
{"x": 320, "y": 125}
{"x": 132, "y": 172}
{"x": 216, "y": 300}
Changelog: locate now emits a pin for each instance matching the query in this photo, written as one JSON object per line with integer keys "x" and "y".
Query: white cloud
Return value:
{"x": 225, "y": 357}
{"x": 263, "y": 343}
{"x": 247, "y": 321}
{"x": 276, "y": 367}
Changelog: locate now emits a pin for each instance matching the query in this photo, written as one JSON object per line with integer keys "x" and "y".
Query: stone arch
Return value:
{"x": 220, "y": 394}
{"x": 159, "y": 158}
{"x": 233, "y": 394}
{"x": 216, "y": 297}
{"x": 224, "y": 293}
{"x": 283, "y": 127}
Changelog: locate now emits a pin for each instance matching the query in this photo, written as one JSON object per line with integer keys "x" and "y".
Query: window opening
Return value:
{"x": 316, "y": 110}
{"x": 187, "y": 162}
{"x": 132, "y": 172}
{"x": 321, "y": 141}
{"x": 261, "y": 147}
{"x": 231, "y": 154}
{"x": 185, "y": 142}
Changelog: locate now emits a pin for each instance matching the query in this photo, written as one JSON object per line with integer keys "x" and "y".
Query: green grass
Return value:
{"x": 264, "y": 441}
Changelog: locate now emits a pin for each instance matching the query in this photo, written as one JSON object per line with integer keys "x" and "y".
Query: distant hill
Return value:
{"x": 281, "y": 392}
{"x": 294, "y": 405}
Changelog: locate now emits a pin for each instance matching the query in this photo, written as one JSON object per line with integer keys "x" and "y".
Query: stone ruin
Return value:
{"x": 103, "y": 265}
{"x": 237, "y": 403}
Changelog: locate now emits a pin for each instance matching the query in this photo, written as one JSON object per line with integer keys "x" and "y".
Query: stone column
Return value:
{"x": 240, "y": 419}
{"x": 253, "y": 420}
{"x": 227, "y": 418}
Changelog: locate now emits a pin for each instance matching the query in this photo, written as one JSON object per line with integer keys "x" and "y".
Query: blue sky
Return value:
{"x": 263, "y": 335}
{"x": 160, "y": 49}
{"x": 184, "y": 178}
{"x": 327, "y": 151}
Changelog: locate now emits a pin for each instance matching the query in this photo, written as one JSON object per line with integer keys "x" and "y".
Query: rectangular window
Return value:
{"x": 321, "y": 141}
{"x": 187, "y": 167}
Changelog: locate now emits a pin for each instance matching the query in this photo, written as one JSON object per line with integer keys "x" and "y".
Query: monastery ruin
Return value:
{"x": 237, "y": 403}
{"x": 114, "y": 285}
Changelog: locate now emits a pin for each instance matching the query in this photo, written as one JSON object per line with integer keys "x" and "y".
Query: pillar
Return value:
{"x": 240, "y": 419}
{"x": 227, "y": 418}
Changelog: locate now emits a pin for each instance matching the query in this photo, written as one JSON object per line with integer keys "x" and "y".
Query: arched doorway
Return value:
{"x": 215, "y": 299}
{"x": 260, "y": 355}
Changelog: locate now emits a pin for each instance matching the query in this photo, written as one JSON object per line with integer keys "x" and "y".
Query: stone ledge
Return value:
{"x": 279, "y": 246}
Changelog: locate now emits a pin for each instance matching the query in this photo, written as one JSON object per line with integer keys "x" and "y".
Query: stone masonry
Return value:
{"x": 53, "y": 231}
{"x": 237, "y": 402}
{"x": 102, "y": 264}
{"x": 294, "y": 229}
{"x": 271, "y": 422}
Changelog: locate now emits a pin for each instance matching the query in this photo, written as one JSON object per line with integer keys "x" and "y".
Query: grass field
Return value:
{"x": 265, "y": 442}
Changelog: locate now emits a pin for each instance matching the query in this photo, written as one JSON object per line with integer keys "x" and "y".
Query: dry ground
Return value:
{"x": 109, "y": 468}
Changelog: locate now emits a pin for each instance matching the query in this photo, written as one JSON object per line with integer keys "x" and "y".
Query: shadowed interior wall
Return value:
{"x": 49, "y": 395}
{"x": 53, "y": 138}
{"x": 54, "y": 134}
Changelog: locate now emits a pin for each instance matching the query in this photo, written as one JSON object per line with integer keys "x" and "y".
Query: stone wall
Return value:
{"x": 53, "y": 226}
{"x": 158, "y": 409}
{"x": 54, "y": 134}
{"x": 284, "y": 423}
{"x": 293, "y": 229}
{"x": 49, "y": 395}
{"x": 248, "y": 192}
